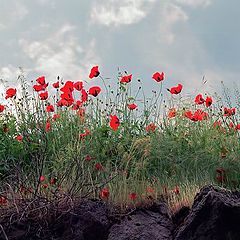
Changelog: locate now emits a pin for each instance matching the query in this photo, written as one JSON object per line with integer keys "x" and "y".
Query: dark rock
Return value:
{"x": 85, "y": 220}
{"x": 88, "y": 221}
{"x": 179, "y": 217}
{"x": 154, "y": 223}
{"x": 215, "y": 215}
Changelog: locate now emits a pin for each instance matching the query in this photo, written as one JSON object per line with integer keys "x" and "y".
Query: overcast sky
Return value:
{"x": 186, "y": 39}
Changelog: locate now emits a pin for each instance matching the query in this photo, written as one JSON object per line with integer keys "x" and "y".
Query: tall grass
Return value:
{"x": 179, "y": 154}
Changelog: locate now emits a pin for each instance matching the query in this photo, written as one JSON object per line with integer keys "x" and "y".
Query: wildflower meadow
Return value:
{"x": 63, "y": 138}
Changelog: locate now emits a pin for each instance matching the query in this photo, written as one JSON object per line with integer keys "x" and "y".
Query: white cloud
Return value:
{"x": 186, "y": 57}
{"x": 9, "y": 73}
{"x": 171, "y": 15}
{"x": 125, "y": 12}
{"x": 195, "y": 3}
{"x": 90, "y": 59}
{"x": 60, "y": 54}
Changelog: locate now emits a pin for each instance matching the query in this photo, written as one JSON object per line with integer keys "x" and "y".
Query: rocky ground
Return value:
{"x": 215, "y": 215}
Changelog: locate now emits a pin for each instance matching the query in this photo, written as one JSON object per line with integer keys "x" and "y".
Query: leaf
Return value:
{"x": 119, "y": 110}
{"x": 131, "y": 98}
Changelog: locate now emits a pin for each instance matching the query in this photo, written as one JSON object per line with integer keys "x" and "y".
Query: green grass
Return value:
{"x": 180, "y": 152}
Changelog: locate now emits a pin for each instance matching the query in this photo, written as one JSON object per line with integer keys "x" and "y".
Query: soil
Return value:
{"x": 215, "y": 215}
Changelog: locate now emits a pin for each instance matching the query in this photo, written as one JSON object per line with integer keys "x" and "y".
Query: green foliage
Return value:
{"x": 179, "y": 152}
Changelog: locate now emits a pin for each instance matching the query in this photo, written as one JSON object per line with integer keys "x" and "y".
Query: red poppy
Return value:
{"x": 126, "y": 79}
{"x": 19, "y": 138}
{"x": 198, "y": 115}
{"x": 194, "y": 117}
{"x": 217, "y": 124}
{"x": 43, "y": 96}
{"x": 158, "y": 76}
{"x": 199, "y": 99}
{"x": 88, "y": 158}
{"x": 48, "y": 126}
{"x": 133, "y": 196}
{"x": 132, "y": 106}
{"x": 86, "y": 133}
{"x": 104, "y": 193}
{"x": 56, "y": 84}
{"x": 208, "y": 101}
{"x": 42, "y": 179}
{"x": 94, "y": 91}
{"x": 5, "y": 128}
{"x": 84, "y": 96}
{"x": 176, "y": 90}
{"x": 2, "y": 108}
{"x": 188, "y": 114}
{"x": 94, "y": 72}
{"x": 68, "y": 96}
{"x": 50, "y": 108}
{"x": 172, "y": 113}
{"x": 151, "y": 127}
{"x": 56, "y": 116}
{"x": 10, "y": 92}
{"x": 22, "y": 189}
{"x": 77, "y": 105}
{"x": 63, "y": 102}
{"x": 237, "y": 127}
{"x": 81, "y": 113}
{"x": 220, "y": 178}
{"x": 231, "y": 125}
{"x": 221, "y": 175}
{"x": 114, "y": 122}
{"x": 229, "y": 111}
{"x": 150, "y": 190}
{"x": 98, "y": 167}
{"x": 41, "y": 80}
{"x": 45, "y": 185}
{"x": 176, "y": 190}
{"x": 53, "y": 181}
{"x": 78, "y": 85}
{"x": 67, "y": 87}
{"x": 3, "y": 200}
{"x": 39, "y": 88}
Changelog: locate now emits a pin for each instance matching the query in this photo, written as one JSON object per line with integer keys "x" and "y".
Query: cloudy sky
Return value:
{"x": 187, "y": 39}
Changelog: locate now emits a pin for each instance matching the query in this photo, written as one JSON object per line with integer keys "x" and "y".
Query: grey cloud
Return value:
{"x": 184, "y": 38}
